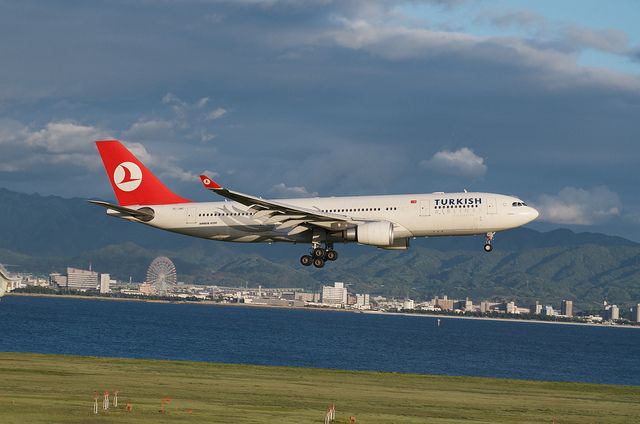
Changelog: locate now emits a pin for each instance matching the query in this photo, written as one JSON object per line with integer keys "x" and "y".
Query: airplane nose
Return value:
{"x": 532, "y": 213}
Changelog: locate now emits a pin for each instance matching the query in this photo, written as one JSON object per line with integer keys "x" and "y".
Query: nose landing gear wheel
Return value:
{"x": 489, "y": 239}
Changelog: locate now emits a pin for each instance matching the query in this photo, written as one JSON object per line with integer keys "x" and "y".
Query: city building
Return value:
{"x": 566, "y": 308}
{"x": 334, "y": 295}
{"x": 444, "y": 303}
{"x": 548, "y": 310}
{"x": 463, "y": 305}
{"x": 105, "y": 280}
{"x": 635, "y": 313}
{"x": 362, "y": 301}
{"x": 488, "y": 306}
{"x": 58, "y": 280}
{"x": 408, "y": 304}
{"x": 611, "y": 312}
{"x": 307, "y": 296}
{"x": 536, "y": 308}
{"x": 146, "y": 288}
{"x": 81, "y": 279}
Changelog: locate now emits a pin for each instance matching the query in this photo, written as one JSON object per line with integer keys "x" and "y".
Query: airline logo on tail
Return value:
{"x": 127, "y": 176}
{"x": 132, "y": 182}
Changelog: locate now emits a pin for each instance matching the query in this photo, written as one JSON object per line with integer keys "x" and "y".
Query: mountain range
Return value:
{"x": 47, "y": 234}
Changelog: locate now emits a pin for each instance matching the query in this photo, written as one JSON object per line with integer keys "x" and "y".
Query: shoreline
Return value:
{"x": 312, "y": 308}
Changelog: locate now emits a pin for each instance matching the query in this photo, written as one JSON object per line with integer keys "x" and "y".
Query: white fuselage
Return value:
{"x": 414, "y": 215}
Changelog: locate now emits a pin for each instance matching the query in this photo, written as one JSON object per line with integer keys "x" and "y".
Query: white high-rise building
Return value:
{"x": 611, "y": 312}
{"x": 334, "y": 295}
{"x": 105, "y": 279}
{"x": 408, "y": 304}
{"x": 81, "y": 279}
{"x": 362, "y": 301}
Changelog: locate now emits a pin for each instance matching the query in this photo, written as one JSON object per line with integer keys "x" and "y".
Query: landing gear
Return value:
{"x": 331, "y": 255}
{"x": 318, "y": 255}
{"x": 487, "y": 246}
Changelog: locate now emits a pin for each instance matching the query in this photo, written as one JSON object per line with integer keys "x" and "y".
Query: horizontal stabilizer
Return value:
{"x": 143, "y": 214}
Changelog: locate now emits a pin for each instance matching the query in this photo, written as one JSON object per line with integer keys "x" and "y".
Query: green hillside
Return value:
{"x": 587, "y": 274}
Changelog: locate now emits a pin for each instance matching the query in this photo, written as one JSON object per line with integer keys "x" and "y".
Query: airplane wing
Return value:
{"x": 281, "y": 213}
{"x": 143, "y": 214}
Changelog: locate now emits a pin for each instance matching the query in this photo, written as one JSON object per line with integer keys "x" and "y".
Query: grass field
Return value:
{"x": 52, "y": 388}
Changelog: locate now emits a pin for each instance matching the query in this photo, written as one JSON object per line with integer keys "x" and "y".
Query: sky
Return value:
{"x": 285, "y": 98}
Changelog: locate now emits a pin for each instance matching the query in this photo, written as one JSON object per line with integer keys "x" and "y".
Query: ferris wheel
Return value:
{"x": 161, "y": 274}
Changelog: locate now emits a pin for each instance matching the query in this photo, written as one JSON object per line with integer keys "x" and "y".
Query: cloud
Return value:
{"x": 563, "y": 36}
{"x": 216, "y": 114}
{"x": 281, "y": 190}
{"x": 461, "y": 163}
{"x": 190, "y": 121}
{"x": 181, "y": 108}
{"x": 518, "y": 18}
{"x": 64, "y": 144}
{"x": 551, "y": 57}
{"x": 609, "y": 40}
{"x": 577, "y": 206}
{"x": 62, "y": 137}
{"x": 396, "y": 42}
{"x": 149, "y": 130}
{"x": 176, "y": 172}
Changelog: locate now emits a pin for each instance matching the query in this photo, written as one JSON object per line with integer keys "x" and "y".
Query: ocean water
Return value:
{"x": 322, "y": 339}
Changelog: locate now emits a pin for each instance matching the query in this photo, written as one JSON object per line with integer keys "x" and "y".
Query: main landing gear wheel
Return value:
{"x": 331, "y": 255}
{"x": 318, "y": 256}
{"x": 318, "y": 253}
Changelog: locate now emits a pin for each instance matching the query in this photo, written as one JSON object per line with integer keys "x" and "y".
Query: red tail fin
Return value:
{"x": 132, "y": 182}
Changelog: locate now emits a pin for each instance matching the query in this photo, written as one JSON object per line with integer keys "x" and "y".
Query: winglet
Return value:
{"x": 209, "y": 183}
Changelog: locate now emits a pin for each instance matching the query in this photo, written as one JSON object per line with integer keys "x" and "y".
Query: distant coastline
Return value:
{"x": 514, "y": 320}
{"x": 313, "y": 308}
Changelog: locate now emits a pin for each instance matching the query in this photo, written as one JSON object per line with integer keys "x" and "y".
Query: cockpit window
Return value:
{"x": 518, "y": 204}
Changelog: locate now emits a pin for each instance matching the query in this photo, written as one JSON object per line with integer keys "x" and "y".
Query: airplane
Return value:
{"x": 387, "y": 222}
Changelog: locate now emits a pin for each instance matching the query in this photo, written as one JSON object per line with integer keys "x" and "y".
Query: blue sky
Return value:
{"x": 284, "y": 98}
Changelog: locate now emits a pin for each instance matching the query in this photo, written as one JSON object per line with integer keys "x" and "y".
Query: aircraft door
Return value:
{"x": 491, "y": 205}
{"x": 191, "y": 215}
{"x": 425, "y": 209}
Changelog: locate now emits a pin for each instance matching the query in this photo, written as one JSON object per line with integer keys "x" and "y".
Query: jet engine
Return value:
{"x": 372, "y": 233}
{"x": 398, "y": 244}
